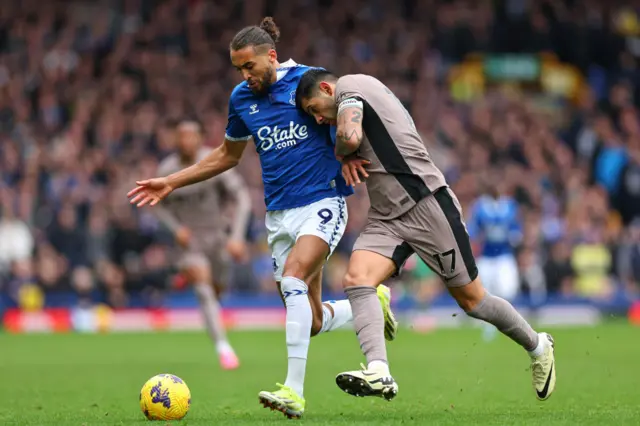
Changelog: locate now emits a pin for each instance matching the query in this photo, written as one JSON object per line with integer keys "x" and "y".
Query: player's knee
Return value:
{"x": 198, "y": 274}
{"x": 466, "y": 305}
{"x": 354, "y": 278}
{"x": 298, "y": 268}
{"x": 468, "y": 296}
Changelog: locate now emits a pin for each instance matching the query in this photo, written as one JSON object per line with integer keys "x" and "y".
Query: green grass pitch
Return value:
{"x": 448, "y": 377}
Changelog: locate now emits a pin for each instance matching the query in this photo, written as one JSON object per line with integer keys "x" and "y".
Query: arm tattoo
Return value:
{"x": 342, "y": 142}
{"x": 346, "y": 134}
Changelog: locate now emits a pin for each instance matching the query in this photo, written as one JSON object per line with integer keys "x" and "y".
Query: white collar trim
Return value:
{"x": 284, "y": 68}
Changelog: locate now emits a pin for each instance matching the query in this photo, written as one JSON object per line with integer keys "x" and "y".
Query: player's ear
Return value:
{"x": 273, "y": 55}
{"x": 326, "y": 88}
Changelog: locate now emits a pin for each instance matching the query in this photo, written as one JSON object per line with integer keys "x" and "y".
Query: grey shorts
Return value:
{"x": 207, "y": 253}
{"x": 434, "y": 230}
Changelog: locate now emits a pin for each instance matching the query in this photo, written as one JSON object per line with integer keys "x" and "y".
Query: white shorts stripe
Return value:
{"x": 336, "y": 235}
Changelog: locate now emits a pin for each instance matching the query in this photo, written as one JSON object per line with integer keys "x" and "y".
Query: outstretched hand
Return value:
{"x": 352, "y": 168}
{"x": 149, "y": 191}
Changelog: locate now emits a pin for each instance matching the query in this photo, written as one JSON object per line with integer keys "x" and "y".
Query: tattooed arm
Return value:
{"x": 349, "y": 130}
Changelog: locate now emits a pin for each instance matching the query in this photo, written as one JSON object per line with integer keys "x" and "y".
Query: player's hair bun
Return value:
{"x": 271, "y": 28}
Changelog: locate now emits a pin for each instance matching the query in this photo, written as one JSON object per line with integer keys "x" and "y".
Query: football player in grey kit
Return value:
{"x": 194, "y": 215}
{"x": 412, "y": 211}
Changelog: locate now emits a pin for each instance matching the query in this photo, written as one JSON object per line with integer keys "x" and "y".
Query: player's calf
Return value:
{"x": 302, "y": 265}
{"x": 316, "y": 323}
{"x": 369, "y": 269}
{"x": 321, "y": 311}
{"x": 366, "y": 269}
{"x": 317, "y": 308}
{"x": 480, "y": 304}
{"x": 298, "y": 327}
{"x": 200, "y": 276}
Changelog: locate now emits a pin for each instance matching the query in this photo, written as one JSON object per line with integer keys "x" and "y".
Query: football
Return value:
{"x": 165, "y": 397}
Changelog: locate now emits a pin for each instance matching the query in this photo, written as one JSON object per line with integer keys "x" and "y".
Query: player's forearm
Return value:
{"x": 348, "y": 138}
{"x": 349, "y": 131}
{"x": 243, "y": 213}
{"x": 218, "y": 161}
{"x": 209, "y": 167}
{"x": 347, "y": 143}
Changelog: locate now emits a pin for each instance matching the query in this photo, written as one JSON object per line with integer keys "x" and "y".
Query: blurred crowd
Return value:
{"x": 90, "y": 93}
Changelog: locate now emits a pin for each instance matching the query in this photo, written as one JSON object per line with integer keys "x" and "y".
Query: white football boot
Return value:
{"x": 543, "y": 369}
{"x": 368, "y": 383}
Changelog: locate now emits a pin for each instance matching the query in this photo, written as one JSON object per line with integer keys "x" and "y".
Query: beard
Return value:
{"x": 265, "y": 83}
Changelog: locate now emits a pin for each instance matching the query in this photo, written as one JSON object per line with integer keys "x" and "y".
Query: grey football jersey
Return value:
{"x": 401, "y": 172}
{"x": 198, "y": 206}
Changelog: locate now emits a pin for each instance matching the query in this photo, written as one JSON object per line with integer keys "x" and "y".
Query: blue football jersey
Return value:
{"x": 296, "y": 154}
{"x": 496, "y": 224}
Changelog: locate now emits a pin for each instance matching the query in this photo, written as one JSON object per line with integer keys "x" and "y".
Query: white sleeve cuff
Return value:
{"x": 242, "y": 139}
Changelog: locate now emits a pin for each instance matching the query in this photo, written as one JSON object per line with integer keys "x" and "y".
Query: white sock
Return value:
{"x": 539, "y": 350}
{"x": 340, "y": 317}
{"x": 299, "y": 320}
{"x": 378, "y": 366}
{"x": 223, "y": 347}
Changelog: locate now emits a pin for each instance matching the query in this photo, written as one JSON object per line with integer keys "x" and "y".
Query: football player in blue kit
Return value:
{"x": 494, "y": 223}
{"x": 304, "y": 195}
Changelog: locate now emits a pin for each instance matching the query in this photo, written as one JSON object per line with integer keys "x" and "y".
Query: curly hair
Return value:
{"x": 266, "y": 34}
